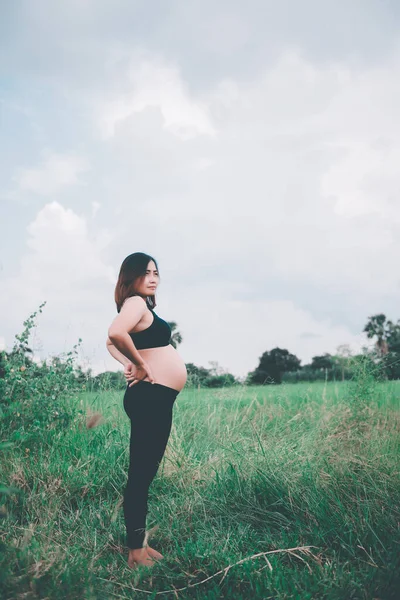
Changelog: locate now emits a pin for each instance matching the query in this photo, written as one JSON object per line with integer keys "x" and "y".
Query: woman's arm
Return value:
{"x": 131, "y": 312}
{"x": 116, "y": 353}
{"x": 123, "y": 344}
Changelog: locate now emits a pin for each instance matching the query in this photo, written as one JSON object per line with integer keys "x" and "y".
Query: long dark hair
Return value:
{"x": 133, "y": 267}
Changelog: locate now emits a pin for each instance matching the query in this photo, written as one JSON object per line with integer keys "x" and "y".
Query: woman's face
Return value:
{"x": 147, "y": 285}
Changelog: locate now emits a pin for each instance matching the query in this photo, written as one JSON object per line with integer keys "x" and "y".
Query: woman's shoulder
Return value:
{"x": 138, "y": 300}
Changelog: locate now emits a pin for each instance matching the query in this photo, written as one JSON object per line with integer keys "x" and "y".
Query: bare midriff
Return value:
{"x": 167, "y": 367}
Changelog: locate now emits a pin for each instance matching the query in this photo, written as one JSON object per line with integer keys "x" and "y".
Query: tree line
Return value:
{"x": 279, "y": 365}
{"x": 275, "y": 366}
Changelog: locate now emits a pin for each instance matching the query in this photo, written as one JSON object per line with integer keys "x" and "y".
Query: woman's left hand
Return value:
{"x": 128, "y": 371}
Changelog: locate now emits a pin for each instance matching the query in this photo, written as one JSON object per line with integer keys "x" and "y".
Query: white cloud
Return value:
{"x": 268, "y": 201}
{"x": 153, "y": 83}
{"x": 64, "y": 266}
{"x": 236, "y": 333}
{"x": 276, "y": 199}
{"x": 300, "y": 150}
{"x": 366, "y": 180}
{"x": 303, "y": 164}
{"x": 95, "y": 208}
{"x": 56, "y": 172}
{"x": 59, "y": 241}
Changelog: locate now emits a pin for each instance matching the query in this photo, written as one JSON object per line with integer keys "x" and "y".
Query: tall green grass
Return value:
{"x": 276, "y": 492}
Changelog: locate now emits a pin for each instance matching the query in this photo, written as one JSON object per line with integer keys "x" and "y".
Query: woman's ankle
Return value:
{"x": 141, "y": 550}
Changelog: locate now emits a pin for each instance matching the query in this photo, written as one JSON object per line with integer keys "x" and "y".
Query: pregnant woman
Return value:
{"x": 155, "y": 374}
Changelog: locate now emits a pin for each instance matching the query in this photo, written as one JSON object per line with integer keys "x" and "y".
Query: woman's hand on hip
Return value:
{"x": 135, "y": 373}
{"x": 128, "y": 370}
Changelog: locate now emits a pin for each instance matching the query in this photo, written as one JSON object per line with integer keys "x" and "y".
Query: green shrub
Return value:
{"x": 35, "y": 398}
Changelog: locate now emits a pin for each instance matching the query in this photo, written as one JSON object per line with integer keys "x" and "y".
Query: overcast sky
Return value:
{"x": 253, "y": 148}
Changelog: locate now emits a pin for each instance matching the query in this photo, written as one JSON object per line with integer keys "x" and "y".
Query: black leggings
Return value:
{"x": 149, "y": 408}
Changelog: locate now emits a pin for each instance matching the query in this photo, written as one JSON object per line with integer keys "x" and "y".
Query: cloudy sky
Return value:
{"x": 252, "y": 148}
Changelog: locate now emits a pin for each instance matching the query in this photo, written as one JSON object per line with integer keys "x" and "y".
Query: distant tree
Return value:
{"x": 216, "y": 369}
{"x": 196, "y": 375}
{"x": 176, "y": 337}
{"x": 322, "y": 362}
{"x": 3, "y": 359}
{"x": 273, "y": 365}
{"x": 107, "y": 380}
{"x": 378, "y": 327}
{"x": 342, "y": 358}
{"x": 387, "y": 343}
{"x": 393, "y": 337}
{"x": 224, "y": 380}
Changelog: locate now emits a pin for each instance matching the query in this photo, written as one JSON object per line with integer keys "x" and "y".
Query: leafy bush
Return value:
{"x": 35, "y": 398}
{"x": 216, "y": 381}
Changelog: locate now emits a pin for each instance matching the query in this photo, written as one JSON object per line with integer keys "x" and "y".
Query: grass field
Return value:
{"x": 277, "y": 492}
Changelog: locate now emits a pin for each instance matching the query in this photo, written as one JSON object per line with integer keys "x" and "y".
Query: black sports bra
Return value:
{"x": 156, "y": 335}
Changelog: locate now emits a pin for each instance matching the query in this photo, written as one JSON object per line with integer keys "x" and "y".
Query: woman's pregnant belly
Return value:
{"x": 166, "y": 365}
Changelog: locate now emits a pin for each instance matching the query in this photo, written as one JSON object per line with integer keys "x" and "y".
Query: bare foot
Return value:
{"x": 153, "y": 553}
{"x": 139, "y": 556}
